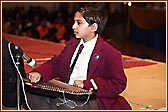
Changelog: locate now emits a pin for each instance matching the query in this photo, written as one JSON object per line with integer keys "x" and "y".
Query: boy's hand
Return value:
{"x": 78, "y": 83}
{"x": 34, "y": 77}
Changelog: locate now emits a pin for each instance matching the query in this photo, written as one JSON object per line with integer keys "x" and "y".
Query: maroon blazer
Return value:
{"x": 105, "y": 67}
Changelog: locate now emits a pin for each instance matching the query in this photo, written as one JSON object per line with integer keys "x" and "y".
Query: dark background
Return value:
{"x": 121, "y": 30}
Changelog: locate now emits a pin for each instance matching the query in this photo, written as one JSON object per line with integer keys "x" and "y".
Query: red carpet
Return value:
{"x": 129, "y": 62}
{"x": 42, "y": 51}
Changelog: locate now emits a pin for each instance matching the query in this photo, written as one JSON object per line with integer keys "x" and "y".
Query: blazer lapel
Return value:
{"x": 70, "y": 50}
{"x": 95, "y": 57}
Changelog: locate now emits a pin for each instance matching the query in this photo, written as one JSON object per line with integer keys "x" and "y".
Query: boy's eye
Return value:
{"x": 78, "y": 23}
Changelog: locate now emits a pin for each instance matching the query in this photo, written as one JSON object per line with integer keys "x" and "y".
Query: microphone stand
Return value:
{"x": 18, "y": 80}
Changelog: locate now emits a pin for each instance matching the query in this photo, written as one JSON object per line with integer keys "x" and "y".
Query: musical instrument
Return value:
{"x": 55, "y": 88}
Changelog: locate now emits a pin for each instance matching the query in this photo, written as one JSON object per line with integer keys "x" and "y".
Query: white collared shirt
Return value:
{"x": 81, "y": 66}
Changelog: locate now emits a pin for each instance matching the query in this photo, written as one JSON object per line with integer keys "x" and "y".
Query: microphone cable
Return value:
{"x": 22, "y": 82}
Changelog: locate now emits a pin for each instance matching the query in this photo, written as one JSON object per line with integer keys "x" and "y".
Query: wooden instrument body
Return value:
{"x": 57, "y": 89}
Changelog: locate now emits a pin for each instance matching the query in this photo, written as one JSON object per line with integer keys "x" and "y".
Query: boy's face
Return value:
{"x": 81, "y": 28}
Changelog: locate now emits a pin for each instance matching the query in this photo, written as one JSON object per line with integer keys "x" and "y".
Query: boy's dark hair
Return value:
{"x": 95, "y": 15}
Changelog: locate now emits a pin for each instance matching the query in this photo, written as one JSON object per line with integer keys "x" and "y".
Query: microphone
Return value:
{"x": 31, "y": 62}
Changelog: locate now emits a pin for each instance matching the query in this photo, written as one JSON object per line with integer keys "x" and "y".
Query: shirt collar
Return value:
{"x": 90, "y": 41}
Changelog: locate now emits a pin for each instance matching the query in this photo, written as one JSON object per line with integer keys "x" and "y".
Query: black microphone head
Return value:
{"x": 16, "y": 49}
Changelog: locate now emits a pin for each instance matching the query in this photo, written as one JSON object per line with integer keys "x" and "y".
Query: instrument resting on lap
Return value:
{"x": 55, "y": 88}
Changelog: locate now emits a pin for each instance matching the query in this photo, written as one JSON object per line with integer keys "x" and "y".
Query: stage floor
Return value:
{"x": 147, "y": 80}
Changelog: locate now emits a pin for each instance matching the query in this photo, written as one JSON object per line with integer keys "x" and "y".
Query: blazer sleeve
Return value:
{"x": 48, "y": 69}
{"x": 57, "y": 66}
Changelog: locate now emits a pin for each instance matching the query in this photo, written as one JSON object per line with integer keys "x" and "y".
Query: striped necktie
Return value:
{"x": 74, "y": 62}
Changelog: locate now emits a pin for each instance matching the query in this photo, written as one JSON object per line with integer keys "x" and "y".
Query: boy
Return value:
{"x": 98, "y": 61}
